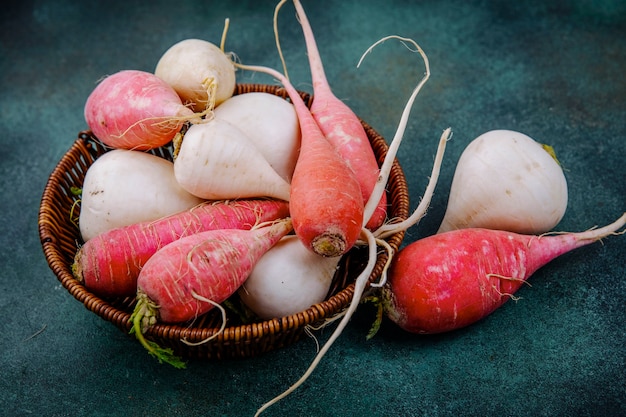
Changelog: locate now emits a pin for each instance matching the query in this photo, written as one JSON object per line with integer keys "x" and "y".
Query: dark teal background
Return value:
{"x": 553, "y": 70}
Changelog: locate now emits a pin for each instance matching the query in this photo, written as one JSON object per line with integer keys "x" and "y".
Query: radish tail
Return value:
{"x": 385, "y": 169}
{"x": 387, "y": 230}
{"x": 359, "y": 288}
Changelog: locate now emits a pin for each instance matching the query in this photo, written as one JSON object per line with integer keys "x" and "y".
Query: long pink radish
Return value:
{"x": 190, "y": 276}
{"x": 341, "y": 126}
{"x": 325, "y": 204}
{"x": 372, "y": 238}
{"x": 134, "y": 109}
{"x": 451, "y": 280}
{"x": 109, "y": 263}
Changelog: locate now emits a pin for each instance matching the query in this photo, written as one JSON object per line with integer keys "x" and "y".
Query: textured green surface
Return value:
{"x": 553, "y": 70}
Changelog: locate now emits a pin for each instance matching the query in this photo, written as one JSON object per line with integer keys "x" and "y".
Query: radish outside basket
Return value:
{"x": 60, "y": 239}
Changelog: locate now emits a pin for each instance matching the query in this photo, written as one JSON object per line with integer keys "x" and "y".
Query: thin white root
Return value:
{"x": 224, "y": 32}
{"x": 385, "y": 169}
{"x": 387, "y": 230}
{"x": 359, "y": 287}
{"x": 280, "y": 51}
{"x": 222, "y": 327}
{"x": 383, "y": 275}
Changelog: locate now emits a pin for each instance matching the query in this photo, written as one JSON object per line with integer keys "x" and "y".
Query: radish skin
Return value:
{"x": 135, "y": 110}
{"x": 124, "y": 187}
{"x": 341, "y": 126}
{"x": 505, "y": 180}
{"x": 109, "y": 264}
{"x": 451, "y": 280}
{"x": 325, "y": 204}
{"x": 288, "y": 279}
{"x": 200, "y": 72}
{"x": 270, "y": 122}
{"x": 217, "y": 161}
{"x": 175, "y": 282}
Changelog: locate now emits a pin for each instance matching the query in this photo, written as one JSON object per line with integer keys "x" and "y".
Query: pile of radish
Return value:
{"x": 265, "y": 195}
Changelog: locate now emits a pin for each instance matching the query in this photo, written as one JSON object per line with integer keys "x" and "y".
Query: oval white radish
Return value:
{"x": 289, "y": 278}
{"x": 124, "y": 187}
{"x": 270, "y": 122}
{"x": 506, "y": 180}
{"x": 199, "y": 71}
{"x": 135, "y": 110}
{"x": 216, "y": 161}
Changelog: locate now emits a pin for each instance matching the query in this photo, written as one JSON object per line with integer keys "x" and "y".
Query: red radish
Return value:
{"x": 453, "y": 279}
{"x": 325, "y": 204}
{"x": 134, "y": 109}
{"x": 109, "y": 263}
{"x": 341, "y": 126}
{"x": 176, "y": 282}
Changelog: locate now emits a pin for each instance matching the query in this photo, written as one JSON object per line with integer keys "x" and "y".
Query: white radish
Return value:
{"x": 217, "y": 161}
{"x": 199, "y": 71}
{"x": 289, "y": 278}
{"x": 505, "y": 180}
{"x": 124, "y": 187}
{"x": 270, "y": 122}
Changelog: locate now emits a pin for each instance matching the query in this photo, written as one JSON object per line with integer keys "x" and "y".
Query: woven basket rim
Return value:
{"x": 51, "y": 231}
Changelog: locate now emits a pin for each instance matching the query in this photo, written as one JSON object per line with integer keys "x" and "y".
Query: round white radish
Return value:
{"x": 270, "y": 122}
{"x": 289, "y": 278}
{"x": 200, "y": 72}
{"x": 506, "y": 180}
{"x": 124, "y": 187}
{"x": 217, "y": 161}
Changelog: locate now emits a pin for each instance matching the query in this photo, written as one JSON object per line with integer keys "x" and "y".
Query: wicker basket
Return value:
{"x": 60, "y": 238}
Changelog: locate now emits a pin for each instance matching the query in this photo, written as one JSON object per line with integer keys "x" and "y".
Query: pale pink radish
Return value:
{"x": 134, "y": 109}
{"x": 109, "y": 263}
{"x": 341, "y": 126}
{"x": 188, "y": 277}
{"x": 325, "y": 204}
{"x": 453, "y": 279}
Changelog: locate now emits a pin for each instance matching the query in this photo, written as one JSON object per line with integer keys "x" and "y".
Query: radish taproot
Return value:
{"x": 450, "y": 280}
{"x": 270, "y": 122}
{"x": 109, "y": 263}
{"x": 189, "y": 276}
{"x": 134, "y": 109}
{"x": 289, "y": 278}
{"x": 200, "y": 72}
{"x": 340, "y": 125}
{"x": 217, "y": 161}
{"x": 506, "y": 180}
{"x": 325, "y": 202}
{"x": 123, "y": 187}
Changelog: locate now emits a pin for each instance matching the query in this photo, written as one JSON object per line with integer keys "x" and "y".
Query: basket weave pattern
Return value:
{"x": 60, "y": 239}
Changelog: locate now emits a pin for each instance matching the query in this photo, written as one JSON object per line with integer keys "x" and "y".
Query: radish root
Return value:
{"x": 359, "y": 287}
{"x": 222, "y": 327}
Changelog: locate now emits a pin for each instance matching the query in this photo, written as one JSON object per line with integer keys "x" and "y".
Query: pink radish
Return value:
{"x": 341, "y": 126}
{"x": 135, "y": 110}
{"x": 189, "y": 276}
{"x": 325, "y": 204}
{"x": 109, "y": 263}
{"x": 453, "y": 279}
